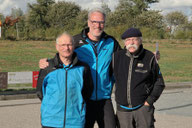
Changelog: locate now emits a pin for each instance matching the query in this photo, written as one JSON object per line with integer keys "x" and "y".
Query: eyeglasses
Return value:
{"x": 65, "y": 45}
{"x": 97, "y": 22}
{"x": 129, "y": 39}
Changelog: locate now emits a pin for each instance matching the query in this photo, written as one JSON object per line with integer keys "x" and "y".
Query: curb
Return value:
{"x": 15, "y": 95}
{"x": 178, "y": 85}
{"x": 20, "y": 94}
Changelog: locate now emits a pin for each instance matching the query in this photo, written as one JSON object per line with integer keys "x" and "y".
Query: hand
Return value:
{"x": 146, "y": 104}
{"x": 43, "y": 63}
{"x": 157, "y": 55}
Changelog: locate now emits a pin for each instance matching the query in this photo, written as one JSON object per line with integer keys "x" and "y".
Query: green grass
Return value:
{"x": 175, "y": 62}
{"x": 176, "y": 59}
{"x": 24, "y": 55}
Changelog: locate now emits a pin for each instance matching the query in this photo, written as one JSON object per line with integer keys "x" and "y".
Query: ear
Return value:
{"x": 88, "y": 23}
{"x": 57, "y": 47}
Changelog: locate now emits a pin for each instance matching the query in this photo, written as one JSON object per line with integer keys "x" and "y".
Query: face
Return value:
{"x": 96, "y": 23}
{"x": 132, "y": 44}
{"x": 65, "y": 46}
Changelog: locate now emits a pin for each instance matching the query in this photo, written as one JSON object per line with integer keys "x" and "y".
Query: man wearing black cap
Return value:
{"x": 139, "y": 82}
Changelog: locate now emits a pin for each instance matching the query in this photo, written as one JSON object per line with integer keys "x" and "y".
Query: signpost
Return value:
{"x": 3, "y": 80}
{"x": 35, "y": 78}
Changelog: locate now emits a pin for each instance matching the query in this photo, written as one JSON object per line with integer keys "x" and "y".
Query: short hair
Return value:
{"x": 100, "y": 10}
{"x": 62, "y": 34}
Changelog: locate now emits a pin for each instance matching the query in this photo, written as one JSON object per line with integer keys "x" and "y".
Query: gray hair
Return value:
{"x": 100, "y": 10}
{"x": 67, "y": 34}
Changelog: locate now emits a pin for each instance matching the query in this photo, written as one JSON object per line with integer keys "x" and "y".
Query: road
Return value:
{"x": 173, "y": 110}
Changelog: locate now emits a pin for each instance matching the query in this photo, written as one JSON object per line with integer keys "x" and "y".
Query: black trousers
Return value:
{"x": 101, "y": 112}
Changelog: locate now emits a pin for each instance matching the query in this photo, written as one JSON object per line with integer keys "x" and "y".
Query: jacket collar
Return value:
{"x": 59, "y": 64}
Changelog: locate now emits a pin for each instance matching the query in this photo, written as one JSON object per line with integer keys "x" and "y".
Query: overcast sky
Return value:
{"x": 164, "y": 5}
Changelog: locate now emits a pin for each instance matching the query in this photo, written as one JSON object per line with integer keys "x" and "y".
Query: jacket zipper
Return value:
{"x": 65, "y": 97}
{"x": 96, "y": 55}
{"x": 129, "y": 83}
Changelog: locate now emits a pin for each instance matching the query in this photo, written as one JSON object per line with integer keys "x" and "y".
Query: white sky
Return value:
{"x": 164, "y": 5}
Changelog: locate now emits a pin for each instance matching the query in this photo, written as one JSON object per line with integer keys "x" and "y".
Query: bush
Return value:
{"x": 149, "y": 33}
{"x": 183, "y": 34}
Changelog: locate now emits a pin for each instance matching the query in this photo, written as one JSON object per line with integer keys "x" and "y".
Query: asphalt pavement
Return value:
{"x": 173, "y": 109}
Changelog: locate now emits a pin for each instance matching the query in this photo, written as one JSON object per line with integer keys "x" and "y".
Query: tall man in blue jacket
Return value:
{"x": 95, "y": 47}
{"x": 66, "y": 87}
{"x": 139, "y": 82}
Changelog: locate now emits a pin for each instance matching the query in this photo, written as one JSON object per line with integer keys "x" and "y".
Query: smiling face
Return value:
{"x": 96, "y": 24}
{"x": 132, "y": 44}
{"x": 65, "y": 46}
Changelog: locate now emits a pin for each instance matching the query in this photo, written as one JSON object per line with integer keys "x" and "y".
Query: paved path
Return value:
{"x": 173, "y": 110}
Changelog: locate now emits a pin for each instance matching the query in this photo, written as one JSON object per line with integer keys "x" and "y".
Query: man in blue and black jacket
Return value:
{"x": 94, "y": 47}
{"x": 66, "y": 87}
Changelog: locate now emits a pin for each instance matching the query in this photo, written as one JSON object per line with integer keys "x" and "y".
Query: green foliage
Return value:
{"x": 37, "y": 14}
{"x": 175, "y": 18}
{"x": 116, "y": 31}
{"x": 2, "y": 18}
{"x": 37, "y": 34}
{"x": 46, "y": 19}
{"x": 122, "y": 14}
{"x": 183, "y": 34}
{"x": 150, "y": 19}
{"x": 81, "y": 19}
{"x": 16, "y": 12}
{"x": 61, "y": 15}
{"x": 130, "y": 12}
{"x": 149, "y": 33}
{"x": 106, "y": 8}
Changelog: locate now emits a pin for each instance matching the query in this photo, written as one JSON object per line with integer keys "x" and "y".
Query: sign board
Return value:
{"x": 35, "y": 78}
{"x": 19, "y": 77}
{"x": 3, "y": 80}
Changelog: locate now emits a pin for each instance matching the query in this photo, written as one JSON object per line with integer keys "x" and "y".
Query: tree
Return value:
{"x": 81, "y": 19}
{"x": 105, "y": 7}
{"x": 38, "y": 12}
{"x": 127, "y": 10}
{"x": 176, "y": 18}
{"x": 150, "y": 19}
{"x": 16, "y": 12}
{"x": 121, "y": 15}
{"x": 2, "y": 18}
{"x": 136, "y": 6}
{"x": 62, "y": 15}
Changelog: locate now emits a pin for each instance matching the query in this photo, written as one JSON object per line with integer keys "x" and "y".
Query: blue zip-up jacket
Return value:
{"x": 99, "y": 59}
{"x": 65, "y": 90}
